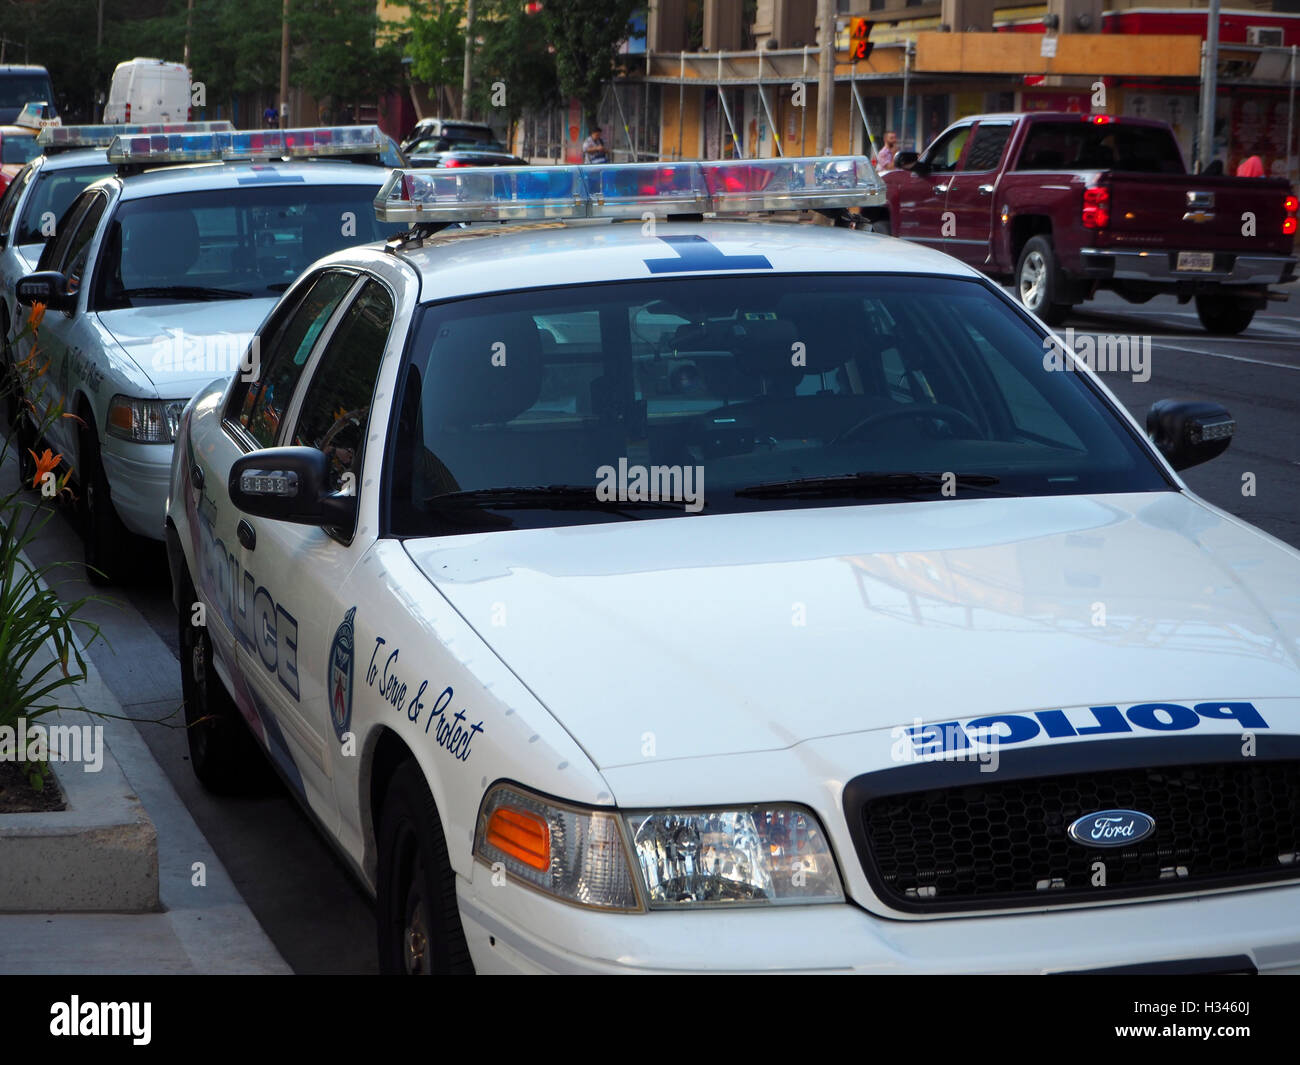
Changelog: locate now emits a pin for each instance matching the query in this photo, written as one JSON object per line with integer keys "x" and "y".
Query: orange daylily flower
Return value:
{"x": 46, "y": 463}
{"x": 36, "y": 316}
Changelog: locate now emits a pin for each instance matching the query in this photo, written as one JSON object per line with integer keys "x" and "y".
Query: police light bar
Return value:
{"x": 102, "y": 136}
{"x": 631, "y": 190}
{"x": 36, "y": 115}
{"x": 151, "y": 149}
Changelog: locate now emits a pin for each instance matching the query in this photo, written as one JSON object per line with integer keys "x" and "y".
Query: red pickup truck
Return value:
{"x": 1063, "y": 205}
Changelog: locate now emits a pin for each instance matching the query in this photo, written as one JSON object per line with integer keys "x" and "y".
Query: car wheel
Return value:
{"x": 25, "y": 442}
{"x": 223, "y": 753}
{"x": 9, "y": 378}
{"x": 105, "y": 539}
{"x": 1039, "y": 282}
{"x": 1224, "y": 315}
{"x": 418, "y": 922}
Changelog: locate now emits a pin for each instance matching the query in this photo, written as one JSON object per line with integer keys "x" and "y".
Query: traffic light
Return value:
{"x": 859, "y": 33}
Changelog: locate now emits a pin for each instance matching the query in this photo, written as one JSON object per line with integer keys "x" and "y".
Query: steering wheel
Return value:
{"x": 930, "y": 410}
{"x": 352, "y": 417}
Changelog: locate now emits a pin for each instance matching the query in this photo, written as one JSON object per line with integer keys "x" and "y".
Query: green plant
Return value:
{"x": 32, "y": 615}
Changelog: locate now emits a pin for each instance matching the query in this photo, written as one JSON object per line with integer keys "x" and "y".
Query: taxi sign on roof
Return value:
{"x": 630, "y": 190}
{"x": 151, "y": 149}
{"x": 102, "y": 136}
{"x": 36, "y": 115}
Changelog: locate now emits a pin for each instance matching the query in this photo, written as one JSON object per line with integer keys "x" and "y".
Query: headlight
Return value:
{"x": 754, "y": 855}
{"x": 146, "y": 421}
{"x": 745, "y": 856}
{"x": 573, "y": 853}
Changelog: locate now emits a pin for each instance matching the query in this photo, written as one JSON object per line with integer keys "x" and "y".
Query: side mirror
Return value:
{"x": 906, "y": 160}
{"x": 48, "y": 287}
{"x": 1189, "y": 432}
{"x": 290, "y": 484}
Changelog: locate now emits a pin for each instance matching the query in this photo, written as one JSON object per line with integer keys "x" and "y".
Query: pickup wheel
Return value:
{"x": 418, "y": 922}
{"x": 881, "y": 225}
{"x": 105, "y": 538}
{"x": 1224, "y": 315}
{"x": 1039, "y": 282}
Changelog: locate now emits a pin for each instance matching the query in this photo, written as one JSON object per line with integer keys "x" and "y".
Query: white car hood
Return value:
{"x": 183, "y": 346}
{"x": 734, "y": 633}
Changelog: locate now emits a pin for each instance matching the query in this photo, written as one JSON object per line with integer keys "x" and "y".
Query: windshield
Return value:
{"x": 16, "y": 149}
{"x": 19, "y": 89}
{"x": 733, "y": 394}
{"x": 221, "y": 244}
{"x": 1087, "y": 146}
{"x": 51, "y": 194}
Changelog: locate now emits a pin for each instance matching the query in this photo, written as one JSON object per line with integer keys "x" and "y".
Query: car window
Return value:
{"x": 1086, "y": 145}
{"x": 228, "y": 245}
{"x": 52, "y": 192}
{"x": 55, "y": 251}
{"x": 746, "y": 380}
{"x": 75, "y": 259}
{"x": 986, "y": 148}
{"x": 336, "y": 408}
{"x": 945, "y": 152}
{"x": 15, "y": 148}
{"x": 284, "y": 348}
{"x": 9, "y": 205}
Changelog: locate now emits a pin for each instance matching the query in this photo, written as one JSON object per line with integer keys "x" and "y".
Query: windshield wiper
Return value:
{"x": 545, "y": 496}
{"x": 188, "y": 292}
{"x": 862, "y": 484}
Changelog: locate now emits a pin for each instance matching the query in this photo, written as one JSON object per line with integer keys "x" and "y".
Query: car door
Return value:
{"x": 64, "y": 335}
{"x": 922, "y": 197}
{"x": 304, "y": 568}
{"x": 971, "y": 192}
{"x": 231, "y": 578}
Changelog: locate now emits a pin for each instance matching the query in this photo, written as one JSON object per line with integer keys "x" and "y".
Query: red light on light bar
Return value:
{"x": 1099, "y": 120}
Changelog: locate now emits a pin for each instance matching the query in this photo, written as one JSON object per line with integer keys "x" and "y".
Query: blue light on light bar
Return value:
{"x": 102, "y": 136}
{"x": 308, "y": 143}
{"x": 629, "y": 190}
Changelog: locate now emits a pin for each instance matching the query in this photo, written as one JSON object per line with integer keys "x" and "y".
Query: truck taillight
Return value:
{"x": 128, "y": 111}
{"x": 1289, "y": 205}
{"x": 1096, "y": 207}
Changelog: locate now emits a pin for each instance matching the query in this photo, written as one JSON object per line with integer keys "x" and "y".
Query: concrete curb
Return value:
{"x": 100, "y": 854}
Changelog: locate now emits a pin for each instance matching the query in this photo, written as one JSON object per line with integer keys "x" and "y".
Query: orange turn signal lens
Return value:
{"x": 521, "y": 834}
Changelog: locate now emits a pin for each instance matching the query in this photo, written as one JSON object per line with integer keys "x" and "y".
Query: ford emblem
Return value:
{"x": 1111, "y": 828}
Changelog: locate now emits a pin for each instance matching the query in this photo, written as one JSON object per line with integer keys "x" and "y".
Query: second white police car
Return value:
{"x": 153, "y": 282}
{"x": 664, "y": 595}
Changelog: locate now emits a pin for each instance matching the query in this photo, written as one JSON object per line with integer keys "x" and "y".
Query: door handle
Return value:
{"x": 939, "y": 190}
{"x": 247, "y": 534}
{"x": 986, "y": 190}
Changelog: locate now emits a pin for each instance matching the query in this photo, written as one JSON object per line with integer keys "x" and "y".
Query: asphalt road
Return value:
{"x": 305, "y": 899}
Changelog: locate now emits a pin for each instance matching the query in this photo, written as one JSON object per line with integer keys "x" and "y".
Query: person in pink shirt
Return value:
{"x": 1252, "y": 165}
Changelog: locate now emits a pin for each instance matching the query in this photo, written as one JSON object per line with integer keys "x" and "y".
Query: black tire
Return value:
{"x": 106, "y": 541}
{"x": 1039, "y": 283}
{"x": 416, "y": 915}
{"x": 1224, "y": 315}
{"x": 9, "y": 379}
{"x": 882, "y": 226}
{"x": 25, "y": 442}
{"x": 223, "y": 753}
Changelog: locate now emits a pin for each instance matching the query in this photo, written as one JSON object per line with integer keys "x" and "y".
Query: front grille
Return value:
{"x": 1003, "y": 843}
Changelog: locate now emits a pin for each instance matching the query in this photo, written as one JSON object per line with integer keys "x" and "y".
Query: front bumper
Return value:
{"x": 139, "y": 478}
{"x": 512, "y": 929}
{"x": 1161, "y": 266}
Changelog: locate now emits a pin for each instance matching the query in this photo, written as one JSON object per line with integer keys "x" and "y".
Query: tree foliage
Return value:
{"x": 513, "y": 67}
{"x": 587, "y": 35}
{"x": 436, "y": 42}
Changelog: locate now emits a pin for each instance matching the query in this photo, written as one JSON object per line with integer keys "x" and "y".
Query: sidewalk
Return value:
{"x": 201, "y": 929}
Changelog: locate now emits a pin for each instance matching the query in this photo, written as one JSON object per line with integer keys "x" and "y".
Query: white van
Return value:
{"x": 148, "y": 90}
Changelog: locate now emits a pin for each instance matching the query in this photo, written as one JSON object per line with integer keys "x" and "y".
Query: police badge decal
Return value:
{"x": 341, "y": 654}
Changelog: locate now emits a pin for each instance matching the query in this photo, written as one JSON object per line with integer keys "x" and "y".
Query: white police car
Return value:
{"x": 154, "y": 283}
{"x": 72, "y": 158}
{"x": 729, "y": 595}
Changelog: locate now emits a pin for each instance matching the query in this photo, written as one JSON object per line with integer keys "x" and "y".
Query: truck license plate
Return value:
{"x": 1196, "y": 260}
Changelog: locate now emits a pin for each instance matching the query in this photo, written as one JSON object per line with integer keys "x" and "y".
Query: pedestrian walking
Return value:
{"x": 593, "y": 148}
